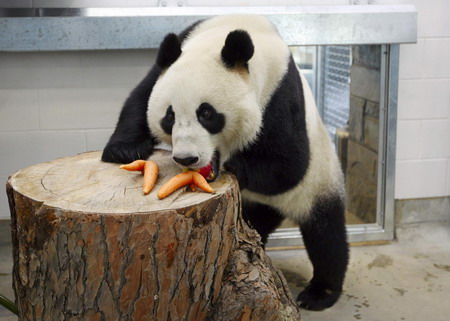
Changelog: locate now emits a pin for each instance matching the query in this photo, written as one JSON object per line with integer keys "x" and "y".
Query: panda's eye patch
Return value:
{"x": 210, "y": 119}
{"x": 168, "y": 120}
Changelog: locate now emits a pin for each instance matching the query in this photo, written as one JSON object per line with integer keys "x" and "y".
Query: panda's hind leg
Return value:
{"x": 325, "y": 239}
{"x": 263, "y": 218}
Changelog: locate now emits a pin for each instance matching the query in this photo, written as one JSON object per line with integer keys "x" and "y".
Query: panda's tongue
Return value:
{"x": 206, "y": 171}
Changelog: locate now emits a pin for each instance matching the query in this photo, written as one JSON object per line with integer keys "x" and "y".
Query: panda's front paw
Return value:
{"x": 119, "y": 152}
{"x": 317, "y": 297}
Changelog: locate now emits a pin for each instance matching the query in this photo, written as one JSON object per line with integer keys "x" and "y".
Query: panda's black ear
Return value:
{"x": 169, "y": 51}
{"x": 238, "y": 49}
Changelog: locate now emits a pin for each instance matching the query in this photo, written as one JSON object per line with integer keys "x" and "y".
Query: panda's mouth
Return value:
{"x": 211, "y": 171}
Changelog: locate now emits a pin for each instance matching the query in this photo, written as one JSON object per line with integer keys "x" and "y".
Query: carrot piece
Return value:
{"x": 137, "y": 165}
{"x": 151, "y": 171}
{"x": 175, "y": 183}
{"x": 201, "y": 182}
{"x": 191, "y": 178}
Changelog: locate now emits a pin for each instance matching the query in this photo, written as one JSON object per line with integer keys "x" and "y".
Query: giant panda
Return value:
{"x": 226, "y": 92}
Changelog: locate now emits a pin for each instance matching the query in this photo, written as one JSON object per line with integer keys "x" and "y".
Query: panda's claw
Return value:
{"x": 317, "y": 298}
{"x": 119, "y": 152}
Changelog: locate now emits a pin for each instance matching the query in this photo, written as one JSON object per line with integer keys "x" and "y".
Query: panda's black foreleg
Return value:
{"x": 263, "y": 218}
{"x": 325, "y": 238}
{"x": 132, "y": 138}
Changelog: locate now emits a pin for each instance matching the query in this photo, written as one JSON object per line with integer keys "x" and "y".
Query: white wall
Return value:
{"x": 423, "y": 135}
{"x": 59, "y": 104}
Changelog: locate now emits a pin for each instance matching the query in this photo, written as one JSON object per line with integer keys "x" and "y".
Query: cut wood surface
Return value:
{"x": 84, "y": 183}
{"x": 88, "y": 245}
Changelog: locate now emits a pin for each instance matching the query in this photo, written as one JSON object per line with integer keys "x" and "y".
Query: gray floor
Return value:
{"x": 408, "y": 279}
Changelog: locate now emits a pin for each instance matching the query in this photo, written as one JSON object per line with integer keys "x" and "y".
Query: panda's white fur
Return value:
{"x": 268, "y": 64}
{"x": 198, "y": 75}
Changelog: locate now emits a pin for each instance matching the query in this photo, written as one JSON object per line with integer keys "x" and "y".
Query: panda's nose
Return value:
{"x": 187, "y": 161}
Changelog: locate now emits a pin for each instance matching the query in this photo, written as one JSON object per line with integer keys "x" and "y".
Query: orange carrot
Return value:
{"x": 193, "y": 187}
{"x": 175, "y": 183}
{"x": 151, "y": 171}
{"x": 201, "y": 182}
{"x": 137, "y": 165}
{"x": 190, "y": 178}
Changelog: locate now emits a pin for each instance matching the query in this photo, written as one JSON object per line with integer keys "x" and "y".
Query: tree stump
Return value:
{"x": 88, "y": 245}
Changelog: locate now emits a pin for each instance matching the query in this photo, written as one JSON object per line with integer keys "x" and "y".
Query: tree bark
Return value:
{"x": 88, "y": 245}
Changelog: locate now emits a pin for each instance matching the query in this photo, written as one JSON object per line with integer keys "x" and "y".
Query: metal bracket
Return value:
{"x": 171, "y": 3}
{"x": 362, "y": 2}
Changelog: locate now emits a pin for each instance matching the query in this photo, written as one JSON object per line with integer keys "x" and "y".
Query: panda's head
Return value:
{"x": 205, "y": 103}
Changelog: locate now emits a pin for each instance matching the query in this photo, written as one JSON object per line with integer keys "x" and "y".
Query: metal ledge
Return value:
{"x": 141, "y": 28}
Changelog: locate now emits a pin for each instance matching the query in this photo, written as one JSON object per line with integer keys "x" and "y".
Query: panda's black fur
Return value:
{"x": 284, "y": 132}
{"x": 273, "y": 164}
{"x": 132, "y": 139}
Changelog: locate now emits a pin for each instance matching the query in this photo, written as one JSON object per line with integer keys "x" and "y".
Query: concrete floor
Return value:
{"x": 408, "y": 279}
